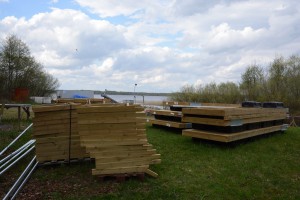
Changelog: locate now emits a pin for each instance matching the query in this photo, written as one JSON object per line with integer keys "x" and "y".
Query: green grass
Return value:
{"x": 260, "y": 168}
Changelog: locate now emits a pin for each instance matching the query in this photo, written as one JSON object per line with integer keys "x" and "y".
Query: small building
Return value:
{"x": 71, "y": 94}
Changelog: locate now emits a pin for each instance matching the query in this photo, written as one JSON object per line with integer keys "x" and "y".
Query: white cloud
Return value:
{"x": 161, "y": 45}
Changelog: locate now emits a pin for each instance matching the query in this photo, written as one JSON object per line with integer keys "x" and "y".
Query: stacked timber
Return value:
{"x": 82, "y": 101}
{"x": 116, "y": 138}
{"x": 56, "y": 134}
{"x": 227, "y": 124}
{"x": 168, "y": 118}
{"x": 167, "y": 104}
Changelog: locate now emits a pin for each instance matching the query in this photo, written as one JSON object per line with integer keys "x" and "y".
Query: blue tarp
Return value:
{"x": 76, "y": 96}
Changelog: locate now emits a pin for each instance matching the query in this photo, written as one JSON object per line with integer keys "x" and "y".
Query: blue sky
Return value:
{"x": 161, "y": 45}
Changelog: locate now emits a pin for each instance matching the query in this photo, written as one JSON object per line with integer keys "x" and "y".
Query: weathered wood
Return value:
{"x": 171, "y": 103}
{"x": 166, "y": 113}
{"x": 116, "y": 138}
{"x": 228, "y": 137}
{"x": 221, "y": 122}
{"x": 229, "y": 111}
{"x": 132, "y": 169}
{"x": 109, "y": 109}
{"x": 170, "y": 123}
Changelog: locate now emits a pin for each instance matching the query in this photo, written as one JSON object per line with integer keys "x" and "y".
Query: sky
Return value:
{"x": 160, "y": 45}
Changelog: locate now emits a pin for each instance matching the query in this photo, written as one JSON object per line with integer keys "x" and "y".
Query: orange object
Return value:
{"x": 21, "y": 95}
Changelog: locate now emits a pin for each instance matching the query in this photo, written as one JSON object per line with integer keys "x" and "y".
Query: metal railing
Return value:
{"x": 11, "y": 159}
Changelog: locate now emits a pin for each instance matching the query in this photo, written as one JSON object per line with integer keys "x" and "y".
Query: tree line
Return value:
{"x": 279, "y": 81}
{"x": 18, "y": 69}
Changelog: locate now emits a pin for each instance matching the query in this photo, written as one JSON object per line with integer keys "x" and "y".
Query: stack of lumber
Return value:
{"x": 171, "y": 103}
{"x": 83, "y": 101}
{"x": 168, "y": 118}
{"x": 227, "y": 124}
{"x": 56, "y": 134}
{"x": 220, "y": 104}
{"x": 116, "y": 138}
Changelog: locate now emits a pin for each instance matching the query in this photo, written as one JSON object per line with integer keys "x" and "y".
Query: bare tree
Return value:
{"x": 19, "y": 69}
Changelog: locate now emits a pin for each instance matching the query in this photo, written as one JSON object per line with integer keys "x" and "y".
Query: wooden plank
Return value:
{"x": 113, "y": 136}
{"x": 113, "y": 143}
{"x": 126, "y": 158}
{"x": 129, "y": 153}
{"x": 62, "y": 126}
{"x": 122, "y": 148}
{"x": 52, "y": 133}
{"x": 208, "y": 121}
{"x": 221, "y": 122}
{"x": 90, "y": 127}
{"x": 229, "y": 111}
{"x": 171, "y": 103}
{"x": 59, "y": 157}
{"x": 170, "y": 123}
{"x": 151, "y": 173}
{"x": 228, "y": 137}
{"x": 57, "y": 139}
{"x": 166, "y": 113}
{"x": 110, "y": 120}
{"x": 54, "y": 122}
{"x": 112, "y": 132}
{"x": 139, "y": 162}
{"x": 120, "y": 170}
{"x": 221, "y": 104}
{"x": 122, "y": 140}
{"x": 73, "y": 154}
{"x": 52, "y": 108}
{"x": 58, "y": 146}
{"x": 109, "y": 109}
{"x": 255, "y": 115}
{"x": 110, "y": 114}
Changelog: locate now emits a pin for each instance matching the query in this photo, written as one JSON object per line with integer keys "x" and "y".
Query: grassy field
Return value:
{"x": 261, "y": 168}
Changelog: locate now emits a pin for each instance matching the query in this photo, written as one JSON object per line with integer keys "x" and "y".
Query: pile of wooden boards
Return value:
{"x": 110, "y": 133}
{"x": 116, "y": 138}
{"x": 168, "y": 118}
{"x": 227, "y": 124}
{"x": 56, "y": 134}
{"x": 82, "y": 101}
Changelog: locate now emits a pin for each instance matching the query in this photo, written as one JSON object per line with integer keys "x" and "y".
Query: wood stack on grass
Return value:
{"x": 116, "y": 138}
{"x": 168, "y": 118}
{"x": 56, "y": 134}
{"x": 167, "y": 104}
{"x": 227, "y": 124}
{"x": 82, "y": 101}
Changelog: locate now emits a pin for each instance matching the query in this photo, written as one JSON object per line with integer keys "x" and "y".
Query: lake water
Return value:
{"x": 139, "y": 99}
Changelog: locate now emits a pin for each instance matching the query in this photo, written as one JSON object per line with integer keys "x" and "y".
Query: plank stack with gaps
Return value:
{"x": 56, "y": 134}
{"x": 227, "y": 124}
{"x": 116, "y": 138}
{"x": 171, "y": 117}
